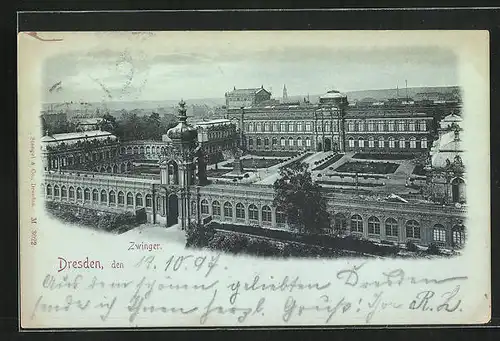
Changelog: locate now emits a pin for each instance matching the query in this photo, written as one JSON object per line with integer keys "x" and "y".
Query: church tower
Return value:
{"x": 177, "y": 169}
{"x": 285, "y": 94}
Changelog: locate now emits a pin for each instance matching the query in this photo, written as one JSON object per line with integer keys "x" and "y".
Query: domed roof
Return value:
{"x": 183, "y": 131}
{"x": 333, "y": 94}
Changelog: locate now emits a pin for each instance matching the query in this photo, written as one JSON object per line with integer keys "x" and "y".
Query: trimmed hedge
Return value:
{"x": 106, "y": 221}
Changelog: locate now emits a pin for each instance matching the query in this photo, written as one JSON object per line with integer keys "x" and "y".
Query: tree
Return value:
{"x": 300, "y": 198}
{"x": 108, "y": 123}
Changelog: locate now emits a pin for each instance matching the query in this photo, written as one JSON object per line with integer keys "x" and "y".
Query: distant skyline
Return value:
{"x": 106, "y": 75}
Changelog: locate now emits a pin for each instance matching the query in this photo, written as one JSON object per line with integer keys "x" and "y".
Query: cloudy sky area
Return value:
{"x": 106, "y": 75}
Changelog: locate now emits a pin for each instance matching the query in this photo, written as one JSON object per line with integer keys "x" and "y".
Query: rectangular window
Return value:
{"x": 401, "y": 126}
{"x": 390, "y": 126}
{"x": 308, "y": 126}
{"x": 423, "y": 143}
{"x": 283, "y": 127}
{"x": 371, "y": 126}
{"x": 299, "y": 126}
{"x": 423, "y": 126}
{"x": 411, "y": 126}
{"x": 351, "y": 126}
{"x": 381, "y": 126}
{"x": 290, "y": 127}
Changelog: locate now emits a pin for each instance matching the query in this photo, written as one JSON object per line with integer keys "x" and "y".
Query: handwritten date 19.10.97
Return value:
{"x": 175, "y": 263}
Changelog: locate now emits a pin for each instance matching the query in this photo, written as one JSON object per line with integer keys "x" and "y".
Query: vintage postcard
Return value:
{"x": 284, "y": 178}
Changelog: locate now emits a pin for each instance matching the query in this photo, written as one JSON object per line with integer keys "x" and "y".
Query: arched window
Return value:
{"x": 121, "y": 198}
{"x": 282, "y": 141}
{"x": 275, "y": 141}
{"x": 392, "y": 142}
{"x": 361, "y": 142}
{"x": 412, "y": 229}
{"x": 423, "y": 143}
{"x": 458, "y": 235}
{"x": 391, "y": 227}
{"x": 266, "y": 142}
{"x": 71, "y": 192}
{"x": 371, "y": 142}
{"x": 250, "y": 142}
{"x": 357, "y": 223}
{"x": 266, "y": 214}
{"x": 86, "y": 195}
{"x": 299, "y": 142}
{"x": 112, "y": 197}
{"x": 240, "y": 211}
{"x": 216, "y": 208}
{"x": 79, "y": 193}
{"x": 373, "y": 225}
{"x": 149, "y": 200}
{"x": 204, "y": 207}
{"x": 138, "y": 200}
{"x": 351, "y": 142}
{"x": 401, "y": 142}
{"x": 280, "y": 216}
{"x": 136, "y": 150}
{"x": 340, "y": 222}
{"x": 253, "y": 213}
{"x": 95, "y": 195}
{"x": 130, "y": 199}
{"x": 439, "y": 234}
{"x": 290, "y": 141}
{"x": 259, "y": 142}
{"x": 381, "y": 142}
{"x": 228, "y": 210}
{"x": 413, "y": 142}
{"x": 49, "y": 189}
{"x": 308, "y": 142}
{"x": 104, "y": 196}
{"x": 64, "y": 192}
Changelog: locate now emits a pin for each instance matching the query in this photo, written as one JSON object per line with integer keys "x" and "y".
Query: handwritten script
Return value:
{"x": 203, "y": 291}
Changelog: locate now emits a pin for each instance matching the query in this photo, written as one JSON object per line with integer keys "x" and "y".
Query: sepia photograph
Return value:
{"x": 254, "y": 178}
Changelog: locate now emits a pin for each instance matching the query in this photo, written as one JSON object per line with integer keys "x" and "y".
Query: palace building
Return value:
{"x": 331, "y": 125}
{"x": 184, "y": 192}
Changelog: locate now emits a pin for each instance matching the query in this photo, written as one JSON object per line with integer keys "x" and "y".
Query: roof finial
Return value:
{"x": 182, "y": 111}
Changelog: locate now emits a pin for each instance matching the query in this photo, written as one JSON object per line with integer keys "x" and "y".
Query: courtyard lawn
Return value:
{"x": 276, "y": 153}
{"x": 349, "y": 183}
{"x": 255, "y": 163}
{"x": 214, "y": 173}
{"x": 419, "y": 170}
{"x": 383, "y": 156}
{"x": 329, "y": 162}
{"x": 368, "y": 167}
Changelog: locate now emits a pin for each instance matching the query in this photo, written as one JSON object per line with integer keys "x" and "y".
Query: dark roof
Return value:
{"x": 246, "y": 92}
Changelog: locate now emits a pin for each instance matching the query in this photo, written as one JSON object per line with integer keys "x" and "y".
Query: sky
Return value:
{"x": 107, "y": 75}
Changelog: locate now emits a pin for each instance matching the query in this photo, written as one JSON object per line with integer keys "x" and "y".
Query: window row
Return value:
{"x": 327, "y": 126}
{"x": 290, "y": 141}
{"x": 402, "y": 125}
{"x": 391, "y": 142}
{"x": 391, "y": 226}
{"x": 103, "y": 196}
{"x": 143, "y": 150}
{"x": 240, "y": 211}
